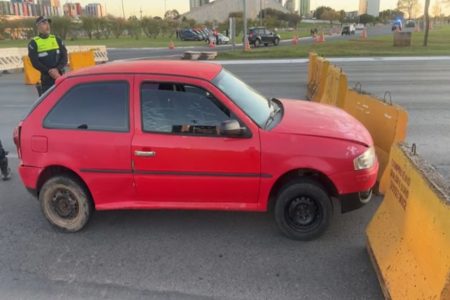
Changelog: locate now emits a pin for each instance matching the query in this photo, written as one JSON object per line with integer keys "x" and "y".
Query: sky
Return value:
{"x": 156, "y": 7}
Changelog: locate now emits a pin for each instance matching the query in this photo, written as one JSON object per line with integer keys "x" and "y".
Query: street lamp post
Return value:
{"x": 123, "y": 10}
{"x": 245, "y": 23}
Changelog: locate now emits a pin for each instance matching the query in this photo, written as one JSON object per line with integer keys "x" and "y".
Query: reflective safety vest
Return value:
{"x": 48, "y": 44}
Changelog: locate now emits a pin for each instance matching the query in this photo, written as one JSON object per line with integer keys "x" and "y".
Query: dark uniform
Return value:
{"x": 4, "y": 169}
{"x": 47, "y": 52}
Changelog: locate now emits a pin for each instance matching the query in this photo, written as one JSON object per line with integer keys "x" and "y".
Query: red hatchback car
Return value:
{"x": 189, "y": 135}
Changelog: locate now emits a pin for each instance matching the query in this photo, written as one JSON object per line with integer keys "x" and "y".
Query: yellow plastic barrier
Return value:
{"x": 336, "y": 87}
{"x": 78, "y": 60}
{"x": 409, "y": 236}
{"x": 31, "y": 75}
{"x": 321, "y": 77}
{"x": 312, "y": 68}
{"x": 386, "y": 123}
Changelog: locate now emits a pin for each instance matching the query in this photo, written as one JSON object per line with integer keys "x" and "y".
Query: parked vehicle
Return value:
{"x": 348, "y": 30}
{"x": 190, "y": 35}
{"x": 410, "y": 24}
{"x": 360, "y": 27}
{"x": 397, "y": 25}
{"x": 260, "y": 35}
{"x": 189, "y": 135}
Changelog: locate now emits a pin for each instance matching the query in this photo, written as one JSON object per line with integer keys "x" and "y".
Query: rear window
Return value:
{"x": 102, "y": 106}
{"x": 39, "y": 101}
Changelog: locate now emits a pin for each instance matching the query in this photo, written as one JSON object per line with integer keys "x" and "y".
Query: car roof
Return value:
{"x": 202, "y": 70}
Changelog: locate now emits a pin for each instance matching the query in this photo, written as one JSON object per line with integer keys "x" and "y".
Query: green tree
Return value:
{"x": 151, "y": 26}
{"x": 118, "y": 26}
{"x": 366, "y": 19}
{"x": 88, "y": 25}
{"x": 3, "y": 26}
{"x": 134, "y": 27}
{"x": 409, "y": 6}
{"x": 390, "y": 14}
{"x": 172, "y": 14}
{"x": 61, "y": 26}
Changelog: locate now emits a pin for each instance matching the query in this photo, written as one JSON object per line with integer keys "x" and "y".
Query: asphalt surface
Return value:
{"x": 140, "y": 53}
{"x": 210, "y": 255}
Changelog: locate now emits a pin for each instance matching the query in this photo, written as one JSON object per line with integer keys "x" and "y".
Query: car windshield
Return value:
{"x": 256, "y": 106}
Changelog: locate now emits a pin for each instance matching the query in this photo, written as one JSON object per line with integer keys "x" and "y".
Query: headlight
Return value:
{"x": 365, "y": 160}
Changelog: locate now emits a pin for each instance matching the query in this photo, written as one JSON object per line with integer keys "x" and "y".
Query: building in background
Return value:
{"x": 290, "y": 6}
{"x": 219, "y": 10}
{"x": 95, "y": 10}
{"x": 370, "y": 7}
{"x": 30, "y": 8}
{"x": 72, "y": 10}
{"x": 351, "y": 15}
{"x": 197, "y": 3}
{"x": 305, "y": 8}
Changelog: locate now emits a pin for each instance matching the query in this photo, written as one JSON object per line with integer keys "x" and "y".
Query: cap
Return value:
{"x": 42, "y": 19}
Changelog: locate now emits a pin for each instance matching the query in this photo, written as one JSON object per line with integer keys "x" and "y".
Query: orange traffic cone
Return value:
{"x": 171, "y": 45}
{"x": 247, "y": 46}
{"x": 320, "y": 38}
{"x": 364, "y": 34}
{"x": 295, "y": 40}
{"x": 212, "y": 44}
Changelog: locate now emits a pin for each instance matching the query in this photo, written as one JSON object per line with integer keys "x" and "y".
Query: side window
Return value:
{"x": 181, "y": 109}
{"x": 92, "y": 106}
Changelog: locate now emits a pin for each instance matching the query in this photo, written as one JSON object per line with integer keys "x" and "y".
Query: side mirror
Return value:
{"x": 232, "y": 128}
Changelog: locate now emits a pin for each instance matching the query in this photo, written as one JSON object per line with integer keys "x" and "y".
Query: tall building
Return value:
{"x": 219, "y": 10}
{"x": 305, "y": 7}
{"x": 197, "y": 3}
{"x": 290, "y": 5}
{"x": 370, "y": 7}
{"x": 72, "y": 10}
{"x": 95, "y": 10}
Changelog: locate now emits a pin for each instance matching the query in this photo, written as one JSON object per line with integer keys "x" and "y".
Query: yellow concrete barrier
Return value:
{"x": 82, "y": 59}
{"x": 31, "y": 75}
{"x": 386, "y": 123}
{"x": 409, "y": 236}
{"x": 336, "y": 86}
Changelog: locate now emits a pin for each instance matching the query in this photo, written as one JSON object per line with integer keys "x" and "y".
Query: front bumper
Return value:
{"x": 354, "y": 201}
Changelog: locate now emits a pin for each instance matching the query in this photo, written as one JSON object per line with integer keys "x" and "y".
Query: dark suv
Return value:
{"x": 260, "y": 35}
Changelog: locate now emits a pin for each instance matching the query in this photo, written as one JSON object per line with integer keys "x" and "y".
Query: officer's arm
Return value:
{"x": 62, "y": 63}
{"x": 34, "y": 57}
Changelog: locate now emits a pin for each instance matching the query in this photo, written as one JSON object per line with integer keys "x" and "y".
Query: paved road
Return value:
{"x": 204, "y": 255}
{"x": 118, "y": 54}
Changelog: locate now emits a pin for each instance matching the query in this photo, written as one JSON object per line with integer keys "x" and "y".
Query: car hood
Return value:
{"x": 314, "y": 119}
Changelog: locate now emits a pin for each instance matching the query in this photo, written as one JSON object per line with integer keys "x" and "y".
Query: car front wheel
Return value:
{"x": 66, "y": 203}
{"x": 257, "y": 43}
{"x": 303, "y": 210}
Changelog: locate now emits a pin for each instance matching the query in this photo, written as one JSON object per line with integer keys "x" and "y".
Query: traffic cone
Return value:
{"x": 171, "y": 45}
{"x": 212, "y": 44}
{"x": 364, "y": 34}
{"x": 247, "y": 46}
{"x": 295, "y": 40}
{"x": 320, "y": 38}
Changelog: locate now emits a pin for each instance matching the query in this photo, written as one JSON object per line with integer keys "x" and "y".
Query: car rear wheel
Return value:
{"x": 66, "y": 203}
{"x": 257, "y": 43}
{"x": 303, "y": 210}
{"x": 276, "y": 42}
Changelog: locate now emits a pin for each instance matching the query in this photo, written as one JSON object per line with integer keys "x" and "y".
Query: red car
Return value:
{"x": 189, "y": 135}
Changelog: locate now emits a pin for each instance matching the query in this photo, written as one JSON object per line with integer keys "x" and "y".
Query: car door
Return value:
{"x": 179, "y": 156}
{"x": 88, "y": 130}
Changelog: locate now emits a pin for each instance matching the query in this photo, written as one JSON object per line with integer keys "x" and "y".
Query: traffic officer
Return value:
{"x": 48, "y": 54}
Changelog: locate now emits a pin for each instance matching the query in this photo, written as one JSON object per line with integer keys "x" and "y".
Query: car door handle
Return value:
{"x": 145, "y": 153}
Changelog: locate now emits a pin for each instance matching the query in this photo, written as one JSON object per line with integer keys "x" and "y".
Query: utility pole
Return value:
{"x": 165, "y": 7}
{"x": 141, "y": 12}
{"x": 427, "y": 22}
{"x": 260, "y": 12}
{"x": 245, "y": 23}
{"x": 123, "y": 10}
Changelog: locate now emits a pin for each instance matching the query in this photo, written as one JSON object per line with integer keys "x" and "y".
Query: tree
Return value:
{"x": 3, "y": 26}
{"x": 410, "y": 6}
{"x": 389, "y": 15}
{"x": 366, "y": 19}
{"x": 172, "y": 14}
{"x": 427, "y": 23}
{"x": 326, "y": 13}
{"x": 61, "y": 26}
{"x": 88, "y": 25}
{"x": 437, "y": 10}
{"x": 134, "y": 27}
{"x": 342, "y": 16}
{"x": 118, "y": 26}
{"x": 151, "y": 26}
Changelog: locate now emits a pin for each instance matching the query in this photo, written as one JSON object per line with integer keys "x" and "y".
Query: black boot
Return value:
{"x": 5, "y": 170}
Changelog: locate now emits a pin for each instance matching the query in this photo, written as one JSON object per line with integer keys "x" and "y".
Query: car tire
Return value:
{"x": 66, "y": 203}
{"x": 257, "y": 43}
{"x": 276, "y": 42}
{"x": 266, "y": 44}
{"x": 303, "y": 210}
